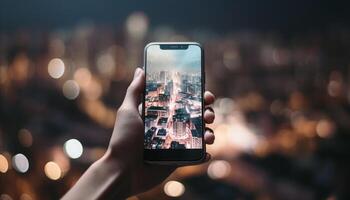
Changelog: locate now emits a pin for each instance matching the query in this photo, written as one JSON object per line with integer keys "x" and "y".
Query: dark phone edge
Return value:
{"x": 203, "y": 150}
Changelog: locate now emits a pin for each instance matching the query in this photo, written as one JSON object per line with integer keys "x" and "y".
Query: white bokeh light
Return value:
{"x": 219, "y": 169}
{"x": 71, "y": 89}
{"x": 56, "y": 68}
{"x": 73, "y": 148}
{"x": 174, "y": 188}
{"x": 20, "y": 163}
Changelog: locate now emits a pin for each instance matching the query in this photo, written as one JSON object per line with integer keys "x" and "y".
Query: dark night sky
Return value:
{"x": 180, "y": 14}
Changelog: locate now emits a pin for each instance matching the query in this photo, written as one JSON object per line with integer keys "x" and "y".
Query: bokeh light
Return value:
{"x": 25, "y": 196}
{"x": 93, "y": 91}
{"x": 218, "y": 169}
{"x": 52, "y": 170}
{"x": 20, "y": 68}
{"x": 137, "y": 25}
{"x": 174, "y": 188}
{"x": 82, "y": 76}
{"x": 242, "y": 136}
{"x": 56, "y": 68}
{"x": 231, "y": 60}
{"x": 5, "y": 197}
{"x": 71, "y": 89}
{"x": 20, "y": 163}
{"x": 4, "y": 165}
{"x": 325, "y": 128}
{"x": 25, "y": 137}
{"x": 106, "y": 64}
{"x": 73, "y": 148}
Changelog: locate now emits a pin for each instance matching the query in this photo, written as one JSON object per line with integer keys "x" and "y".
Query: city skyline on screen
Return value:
{"x": 173, "y": 99}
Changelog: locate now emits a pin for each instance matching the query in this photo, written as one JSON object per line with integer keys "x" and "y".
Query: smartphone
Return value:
{"x": 173, "y": 103}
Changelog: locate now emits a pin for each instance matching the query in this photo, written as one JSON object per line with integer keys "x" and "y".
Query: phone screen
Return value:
{"x": 173, "y": 104}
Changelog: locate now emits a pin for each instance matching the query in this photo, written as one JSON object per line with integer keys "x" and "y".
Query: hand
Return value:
{"x": 121, "y": 172}
{"x": 127, "y": 142}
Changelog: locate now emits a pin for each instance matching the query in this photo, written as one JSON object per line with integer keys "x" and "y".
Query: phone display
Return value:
{"x": 173, "y": 99}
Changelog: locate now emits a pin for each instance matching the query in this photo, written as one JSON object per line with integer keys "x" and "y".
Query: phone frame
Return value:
{"x": 175, "y": 156}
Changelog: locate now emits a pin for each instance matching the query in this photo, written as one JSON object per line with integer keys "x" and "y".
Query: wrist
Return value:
{"x": 116, "y": 180}
{"x": 112, "y": 162}
{"x": 104, "y": 179}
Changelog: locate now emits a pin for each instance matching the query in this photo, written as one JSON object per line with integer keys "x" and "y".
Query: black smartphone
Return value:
{"x": 173, "y": 103}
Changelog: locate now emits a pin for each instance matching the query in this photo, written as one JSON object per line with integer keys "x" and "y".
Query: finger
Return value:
{"x": 209, "y": 98}
{"x": 209, "y": 136}
{"x": 209, "y": 115}
{"x": 135, "y": 89}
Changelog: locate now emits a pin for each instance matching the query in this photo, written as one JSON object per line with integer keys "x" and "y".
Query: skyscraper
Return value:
{"x": 179, "y": 128}
{"x": 181, "y": 120}
{"x": 162, "y": 77}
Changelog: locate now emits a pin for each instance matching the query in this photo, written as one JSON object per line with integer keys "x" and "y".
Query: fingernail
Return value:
{"x": 137, "y": 72}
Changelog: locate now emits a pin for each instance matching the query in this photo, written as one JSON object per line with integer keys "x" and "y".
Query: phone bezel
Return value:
{"x": 176, "y": 156}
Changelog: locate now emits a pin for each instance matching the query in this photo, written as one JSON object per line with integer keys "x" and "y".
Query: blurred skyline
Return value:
{"x": 284, "y": 16}
{"x": 280, "y": 71}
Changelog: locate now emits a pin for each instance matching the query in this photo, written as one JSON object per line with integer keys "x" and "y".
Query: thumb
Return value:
{"x": 135, "y": 89}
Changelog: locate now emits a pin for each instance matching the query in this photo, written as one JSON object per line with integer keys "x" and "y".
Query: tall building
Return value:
{"x": 184, "y": 86}
{"x": 197, "y": 88}
{"x": 179, "y": 128}
{"x": 162, "y": 77}
{"x": 169, "y": 87}
{"x": 181, "y": 120}
{"x": 196, "y": 142}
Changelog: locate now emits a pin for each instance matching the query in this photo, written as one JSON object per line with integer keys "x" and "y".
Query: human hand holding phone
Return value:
{"x": 121, "y": 172}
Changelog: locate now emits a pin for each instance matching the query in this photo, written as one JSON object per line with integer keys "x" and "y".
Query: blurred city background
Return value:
{"x": 280, "y": 71}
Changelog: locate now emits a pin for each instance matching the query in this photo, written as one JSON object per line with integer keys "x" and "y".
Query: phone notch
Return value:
{"x": 173, "y": 46}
